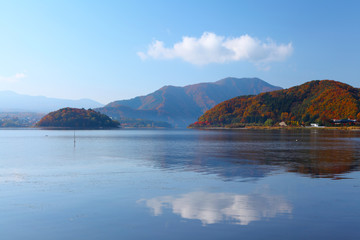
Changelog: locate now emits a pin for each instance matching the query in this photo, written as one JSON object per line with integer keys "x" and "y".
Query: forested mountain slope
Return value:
{"x": 315, "y": 101}
{"x": 182, "y": 105}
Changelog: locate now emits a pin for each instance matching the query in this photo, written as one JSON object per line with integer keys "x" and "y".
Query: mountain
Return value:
{"x": 182, "y": 105}
{"x": 315, "y": 101}
{"x": 76, "y": 118}
{"x": 13, "y": 102}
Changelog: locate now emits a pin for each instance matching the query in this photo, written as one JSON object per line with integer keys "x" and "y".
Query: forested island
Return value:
{"x": 75, "y": 118}
{"x": 325, "y": 102}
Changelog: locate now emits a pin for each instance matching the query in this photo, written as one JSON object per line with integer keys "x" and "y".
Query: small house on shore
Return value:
{"x": 282, "y": 124}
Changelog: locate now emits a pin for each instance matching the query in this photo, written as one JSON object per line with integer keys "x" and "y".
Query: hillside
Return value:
{"x": 182, "y": 105}
{"x": 315, "y": 101}
{"x": 13, "y": 102}
{"x": 75, "y": 118}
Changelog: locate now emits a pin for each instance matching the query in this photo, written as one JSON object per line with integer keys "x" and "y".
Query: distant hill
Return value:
{"x": 312, "y": 102}
{"x": 182, "y": 105}
{"x": 13, "y": 102}
{"x": 77, "y": 119}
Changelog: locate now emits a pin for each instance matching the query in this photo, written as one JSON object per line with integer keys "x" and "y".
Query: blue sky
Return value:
{"x": 111, "y": 50}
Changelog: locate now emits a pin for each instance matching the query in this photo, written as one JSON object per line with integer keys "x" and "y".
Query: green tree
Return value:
{"x": 269, "y": 122}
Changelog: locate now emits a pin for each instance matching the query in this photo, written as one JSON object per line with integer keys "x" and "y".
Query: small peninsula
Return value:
{"x": 75, "y": 118}
{"x": 325, "y": 102}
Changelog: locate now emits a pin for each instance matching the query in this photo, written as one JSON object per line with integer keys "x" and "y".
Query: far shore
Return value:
{"x": 344, "y": 128}
{"x": 71, "y": 128}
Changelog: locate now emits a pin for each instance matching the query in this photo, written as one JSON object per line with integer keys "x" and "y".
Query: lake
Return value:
{"x": 180, "y": 184}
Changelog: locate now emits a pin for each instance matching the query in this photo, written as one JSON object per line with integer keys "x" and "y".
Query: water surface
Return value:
{"x": 178, "y": 184}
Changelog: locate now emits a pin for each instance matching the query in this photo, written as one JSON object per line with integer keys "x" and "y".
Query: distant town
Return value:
{"x": 19, "y": 119}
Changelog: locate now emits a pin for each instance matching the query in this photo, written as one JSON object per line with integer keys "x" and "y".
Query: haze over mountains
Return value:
{"x": 178, "y": 106}
{"x": 13, "y": 102}
{"x": 181, "y": 106}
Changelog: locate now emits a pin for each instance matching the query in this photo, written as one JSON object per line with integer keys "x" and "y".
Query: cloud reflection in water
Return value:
{"x": 212, "y": 208}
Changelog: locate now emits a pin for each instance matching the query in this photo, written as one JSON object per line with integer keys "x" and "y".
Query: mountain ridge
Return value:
{"x": 13, "y": 102}
{"x": 182, "y": 105}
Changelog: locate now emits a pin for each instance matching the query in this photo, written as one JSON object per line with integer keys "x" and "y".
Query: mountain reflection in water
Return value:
{"x": 251, "y": 154}
{"x": 212, "y": 208}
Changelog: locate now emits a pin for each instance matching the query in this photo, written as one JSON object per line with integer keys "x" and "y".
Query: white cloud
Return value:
{"x": 212, "y": 208}
{"x": 211, "y": 48}
{"x": 14, "y": 78}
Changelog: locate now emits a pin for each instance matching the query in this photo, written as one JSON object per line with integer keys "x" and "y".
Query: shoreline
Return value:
{"x": 71, "y": 128}
{"x": 350, "y": 128}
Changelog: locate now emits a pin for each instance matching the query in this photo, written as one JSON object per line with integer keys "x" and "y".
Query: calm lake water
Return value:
{"x": 180, "y": 184}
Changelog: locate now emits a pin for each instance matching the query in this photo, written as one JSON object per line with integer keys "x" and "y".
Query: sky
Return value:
{"x": 113, "y": 50}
